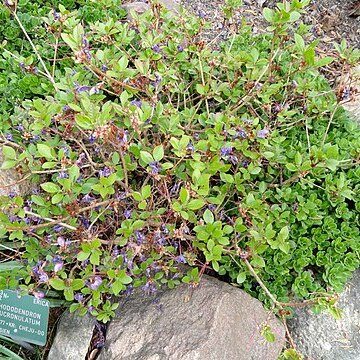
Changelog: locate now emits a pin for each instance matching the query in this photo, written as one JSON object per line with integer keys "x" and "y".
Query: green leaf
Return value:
{"x": 208, "y": 216}
{"x": 69, "y": 293}
{"x": 257, "y": 261}
{"x": 210, "y": 244}
{"x": 146, "y": 191}
{"x": 57, "y": 198}
{"x": 299, "y": 41}
{"x": 158, "y": 153}
{"x": 117, "y": 287}
{"x": 9, "y": 152}
{"x": 57, "y": 284}
{"x": 331, "y": 164}
{"x": 124, "y": 278}
{"x": 284, "y": 247}
{"x": 326, "y": 60}
{"x": 195, "y": 204}
{"x": 74, "y": 173}
{"x": 228, "y": 178}
{"x": 241, "y": 277}
{"x": 283, "y": 234}
{"x": 95, "y": 257}
{"x": 184, "y": 195}
{"x": 335, "y": 312}
{"x": 202, "y": 89}
{"x": 45, "y": 151}
{"x": 77, "y": 284}
{"x": 294, "y": 16}
{"x": 137, "y": 196}
{"x": 268, "y": 15}
{"x": 84, "y": 121}
{"x": 146, "y": 157}
{"x": 8, "y": 164}
{"x": 82, "y": 256}
{"x": 50, "y": 187}
{"x": 291, "y": 167}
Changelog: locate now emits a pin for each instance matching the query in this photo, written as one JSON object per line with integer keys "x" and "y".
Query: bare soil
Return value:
{"x": 332, "y": 20}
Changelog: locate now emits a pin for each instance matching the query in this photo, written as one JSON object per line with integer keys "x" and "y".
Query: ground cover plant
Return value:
{"x": 148, "y": 150}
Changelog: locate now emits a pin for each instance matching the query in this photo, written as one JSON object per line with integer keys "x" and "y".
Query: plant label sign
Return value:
{"x": 23, "y": 317}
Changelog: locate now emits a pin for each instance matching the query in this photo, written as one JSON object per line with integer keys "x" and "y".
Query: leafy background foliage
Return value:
{"x": 151, "y": 151}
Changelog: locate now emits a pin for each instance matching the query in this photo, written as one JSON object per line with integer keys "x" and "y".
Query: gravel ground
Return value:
{"x": 331, "y": 19}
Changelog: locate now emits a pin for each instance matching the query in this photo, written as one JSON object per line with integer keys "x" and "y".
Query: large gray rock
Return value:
{"x": 321, "y": 337}
{"x": 353, "y": 106}
{"x": 72, "y": 338}
{"x": 214, "y": 322}
{"x": 141, "y": 6}
{"x": 9, "y": 181}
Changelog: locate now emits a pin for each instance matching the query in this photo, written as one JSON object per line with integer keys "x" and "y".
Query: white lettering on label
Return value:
{"x": 19, "y": 311}
{"x": 40, "y": 302}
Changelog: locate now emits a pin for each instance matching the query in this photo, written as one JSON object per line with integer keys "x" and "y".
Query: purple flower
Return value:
{"x": 60, "y": 241}
{"x": 157, "y": 81}
{"x": 128, "y": 290}
{"x": 105, "y": 172}
{"x": 92, "y": 138}
{"x": 58, "y": 263}
{"x": 245, "y": 163}
{"x": 57, "y": 228}
{"x": 136, "y": 103}
{"x": 233, "y": 159}
{"x": 180, "y": 259}
{"x": 20, "y": 127}
{"x": 149, "y": 288}
{"x": 13, "y": 218}
{"x": 190, "y": 147}
{"x": 225, "y": 151}
{"x": 56, "y": 15}
{"x": 180, "y": 48}
{"x": 81, "y": 88}
{"x": 240, "y": 134}
{"x": 104, "y": 68}
{"x": 39, "y": 294}
{"x": 95, "y": 283}
{"x": 79, "y": 297}
{"x": 140, "y": 237}
{"x": 85, "y": 222}
{"x": 115, "y": 252}
{"x": 155, "y": 167}
{"x": 123, "y": 138}
{"x": 262, "y": 134}
{"x": 63, "y": 175}
{"x": 164, "y": 229}
{"x": 128, "y": 214}
{"x": 22, "y": 66}
{"x": 80, "y": 159}
{"x": 175, "y": 189}
{"x": 65, "y": 148}
{"x": 346, "y": 94}
{"x": 12, "y": 194}
{"x": 294, "y": 84}
{"x": 156, "y": 48}
{"x": 87, "y": 198}
{"x": 43, "y": 277}
{"x": 161, "y": 241}
{"x": 66, "y": 108}
{"x": 35, "y": 138}
{"x": 201, "y": 14}
{"x": 9, "y": 137}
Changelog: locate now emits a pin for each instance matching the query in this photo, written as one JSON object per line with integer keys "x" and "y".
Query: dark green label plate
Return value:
{"x": 23, "y": 317}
